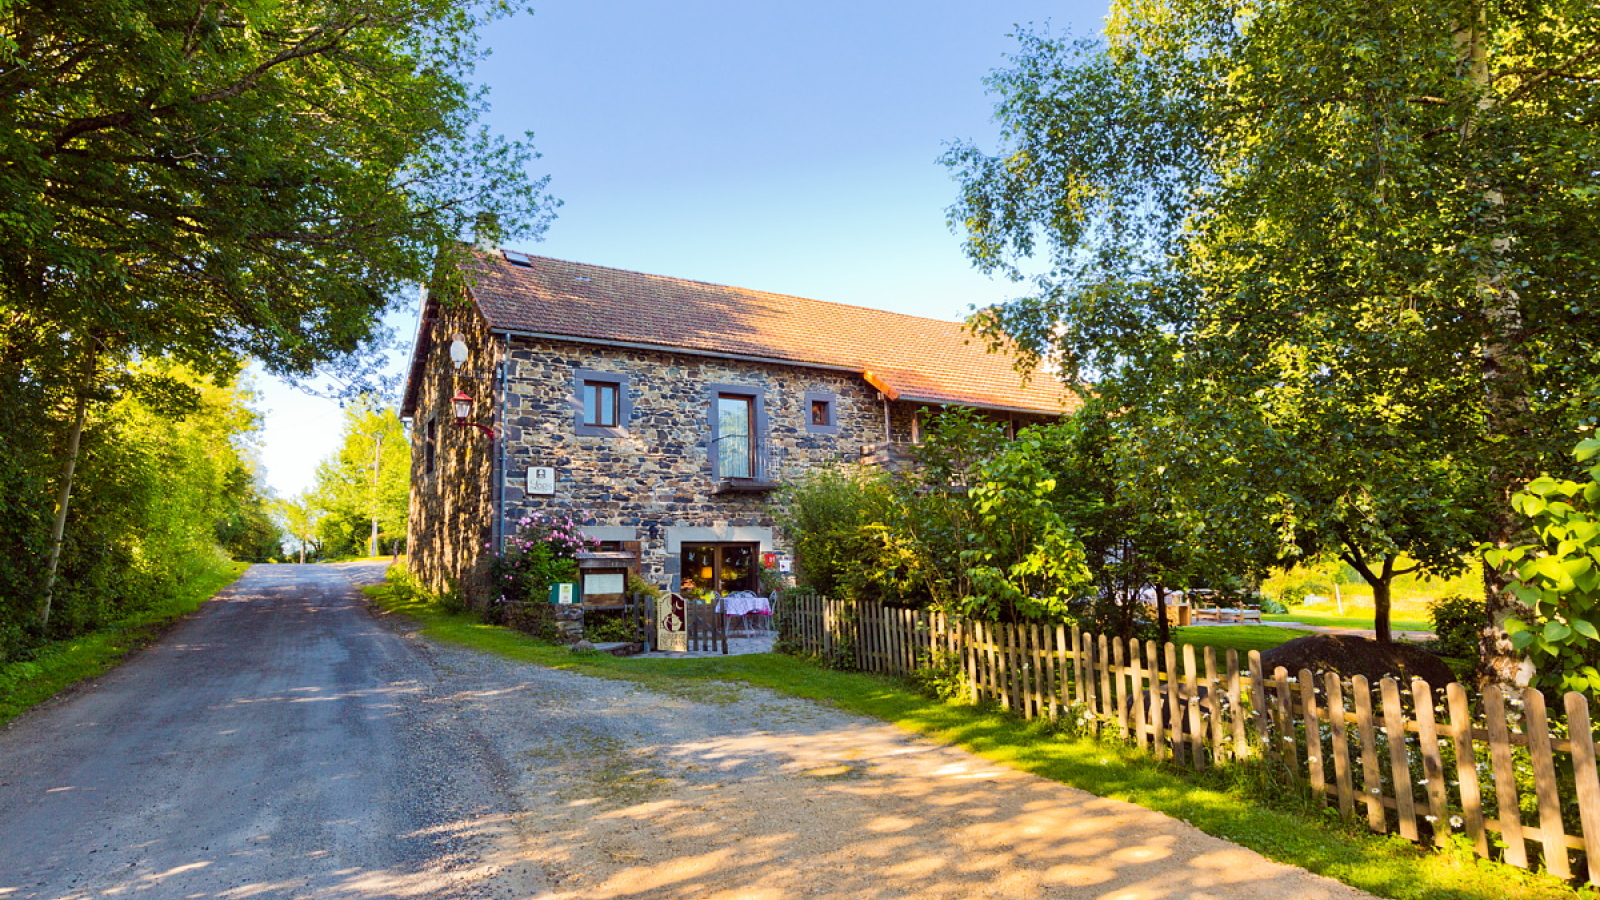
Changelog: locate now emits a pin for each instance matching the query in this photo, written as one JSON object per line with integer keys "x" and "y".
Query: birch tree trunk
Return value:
{"x": 1506, "y": 373}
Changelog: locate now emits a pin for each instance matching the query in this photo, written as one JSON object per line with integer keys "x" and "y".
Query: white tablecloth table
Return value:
{"x": 744, "y": 606}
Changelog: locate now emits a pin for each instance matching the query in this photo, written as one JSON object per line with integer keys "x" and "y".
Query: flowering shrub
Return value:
{"x": 542, "y": 552}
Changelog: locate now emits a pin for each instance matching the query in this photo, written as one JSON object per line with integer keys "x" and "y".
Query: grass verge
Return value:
{"x": 57, "y": 666}
{"x": 1243, "y": 804}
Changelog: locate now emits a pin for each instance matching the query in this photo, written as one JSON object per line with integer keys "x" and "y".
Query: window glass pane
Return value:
{"x": 734, "y": 446}
{"x": 606, "y": 398}
{"x": 819, "y": 412}
{"x": 591, "y": 407}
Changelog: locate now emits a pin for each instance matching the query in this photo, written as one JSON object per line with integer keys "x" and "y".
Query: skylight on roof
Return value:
{"x": 517, "y": 259}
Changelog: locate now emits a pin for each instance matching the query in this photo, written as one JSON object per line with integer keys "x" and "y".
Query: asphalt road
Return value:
{"x": 278, "y": 743}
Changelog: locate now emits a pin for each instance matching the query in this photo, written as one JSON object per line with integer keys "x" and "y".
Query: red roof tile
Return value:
{"x": 918, "y": 359}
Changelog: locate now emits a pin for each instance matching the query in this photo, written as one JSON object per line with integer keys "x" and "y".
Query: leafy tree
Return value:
{"x": 366, "y": 481}
{"x": 206, "y": 181}
{"x": 1353, "y": 236}
{"x": 299, "y": 519}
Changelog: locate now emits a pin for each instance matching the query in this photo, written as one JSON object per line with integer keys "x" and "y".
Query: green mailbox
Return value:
{"x": 564, "y": 593}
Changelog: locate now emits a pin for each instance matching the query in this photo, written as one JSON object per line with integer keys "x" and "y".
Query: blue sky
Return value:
{"x": 784, "y": 147}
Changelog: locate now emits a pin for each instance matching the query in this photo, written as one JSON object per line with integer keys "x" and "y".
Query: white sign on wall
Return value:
{"x": 541, "y": 480}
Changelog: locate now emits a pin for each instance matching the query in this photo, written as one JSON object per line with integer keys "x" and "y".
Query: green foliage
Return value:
{"x": 1457, "y": 624}
{"x": 157, "y": 487}
{"x": 1022, "y": 560}
{"x": 1558, "y": 577}
{"x": 1304, "y": 253}
{"x": 939, "y": 675}
{"x": 349, "y": 493}
{"x": 542, "y": 553}
{"x": 835, "y": 518}
{"x": 972, "y": 528}
{"x": 236, "y": 180}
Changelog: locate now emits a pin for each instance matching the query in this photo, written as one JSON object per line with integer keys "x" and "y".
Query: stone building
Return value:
{"x": 663, "y": 413}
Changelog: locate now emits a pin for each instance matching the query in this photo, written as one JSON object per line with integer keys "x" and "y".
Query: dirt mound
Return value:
{"x": 1350, "y": 655}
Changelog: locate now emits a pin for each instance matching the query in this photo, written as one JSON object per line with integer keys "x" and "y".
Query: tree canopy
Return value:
{"x": 1336, "y": 254}
{"x": 212, "y": 180}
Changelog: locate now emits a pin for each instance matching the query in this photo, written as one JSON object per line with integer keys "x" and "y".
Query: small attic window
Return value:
{"x": 517, "y": 259}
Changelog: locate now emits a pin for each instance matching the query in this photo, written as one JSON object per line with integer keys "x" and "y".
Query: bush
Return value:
{"x": 539, "y": 555}
{"x": 1457, "y": 620}
{"x": 1293, "y": 595}
{"x": 1271, "y": 606}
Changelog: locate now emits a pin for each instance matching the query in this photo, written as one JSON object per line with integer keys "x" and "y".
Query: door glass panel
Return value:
{"x": 734, "y": 434}
{"x": 699, "y": 567}
{"x": 738, "y": 568}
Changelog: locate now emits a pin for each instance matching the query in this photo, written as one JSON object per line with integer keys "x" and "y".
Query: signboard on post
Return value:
{"x": 541, "y": 480}
{"x": 564, "y": 593}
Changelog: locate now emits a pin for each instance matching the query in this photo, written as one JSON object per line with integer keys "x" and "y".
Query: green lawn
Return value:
{"x": 1242, "y": 638}
{"x": 58, "y": 666}
{"x": 1240, "y": 804}
{"x": 1355, "y": 620}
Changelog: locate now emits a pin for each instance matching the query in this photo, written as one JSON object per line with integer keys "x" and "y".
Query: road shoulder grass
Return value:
{"x": 1232, "y": 805}
{"x": 58, "y": 666}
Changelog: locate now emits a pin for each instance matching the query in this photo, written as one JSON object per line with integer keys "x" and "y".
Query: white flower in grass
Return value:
{"x": 1455, "y": 821}
{"x": 1430, "y": 819}
{"x": 1377, "y": 792}
{"x": 1422, "y": 782}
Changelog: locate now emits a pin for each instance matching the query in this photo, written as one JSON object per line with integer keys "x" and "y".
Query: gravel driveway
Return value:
{"x": 433, "y": 771}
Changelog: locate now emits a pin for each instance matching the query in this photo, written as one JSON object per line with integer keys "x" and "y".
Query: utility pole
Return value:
{"x": 377, "y": 448}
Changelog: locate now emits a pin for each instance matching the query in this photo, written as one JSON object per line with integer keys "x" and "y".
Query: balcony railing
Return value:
{"x": 742, "y": 463}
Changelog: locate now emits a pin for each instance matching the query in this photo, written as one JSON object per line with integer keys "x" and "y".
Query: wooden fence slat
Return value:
{"x": 1466, "y": 767}
{"x": 1102, "y": 659}
{"x": 1314, "y": 754}
{"x": 1552, "y": 834}
{"x": 1138, "y": 706}
{"x": 1423, "y": 698}
{"x": 1036, "y": 636}
{"x": 1057, "y": 671}
{"x": 1241, "y": 743}
{"x": 1077, "y": 666}
{"x": 1505, "y": 777}
{"x": 1286, "y": 742}
{"x": 1120, "y": 679}
{"x": 1219, "y": 733}
{"x": 1371, "y": 782}
{"x": 1338, "y": 744}
{"x": 1258, "y": 706}
{"x": 1588, "y": 780}
{"x": 1156, "y": 702}
{"x": 1173, "y": 705}
{"x": 1394, "y": 725}
{"x": 1197, "y": 735}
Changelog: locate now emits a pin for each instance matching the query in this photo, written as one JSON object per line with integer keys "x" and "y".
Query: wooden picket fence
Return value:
{"x": 1397, "y": 754}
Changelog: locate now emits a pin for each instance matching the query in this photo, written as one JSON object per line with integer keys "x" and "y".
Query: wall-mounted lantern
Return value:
{"x": 461, "y": 404}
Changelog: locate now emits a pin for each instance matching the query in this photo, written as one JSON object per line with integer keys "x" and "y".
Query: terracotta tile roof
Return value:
{"x": 917, "y": 359}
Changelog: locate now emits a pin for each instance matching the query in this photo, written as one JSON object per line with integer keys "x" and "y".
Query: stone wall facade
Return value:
{"x": 452, "y": 468}
{"x": 651, "y": 479}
